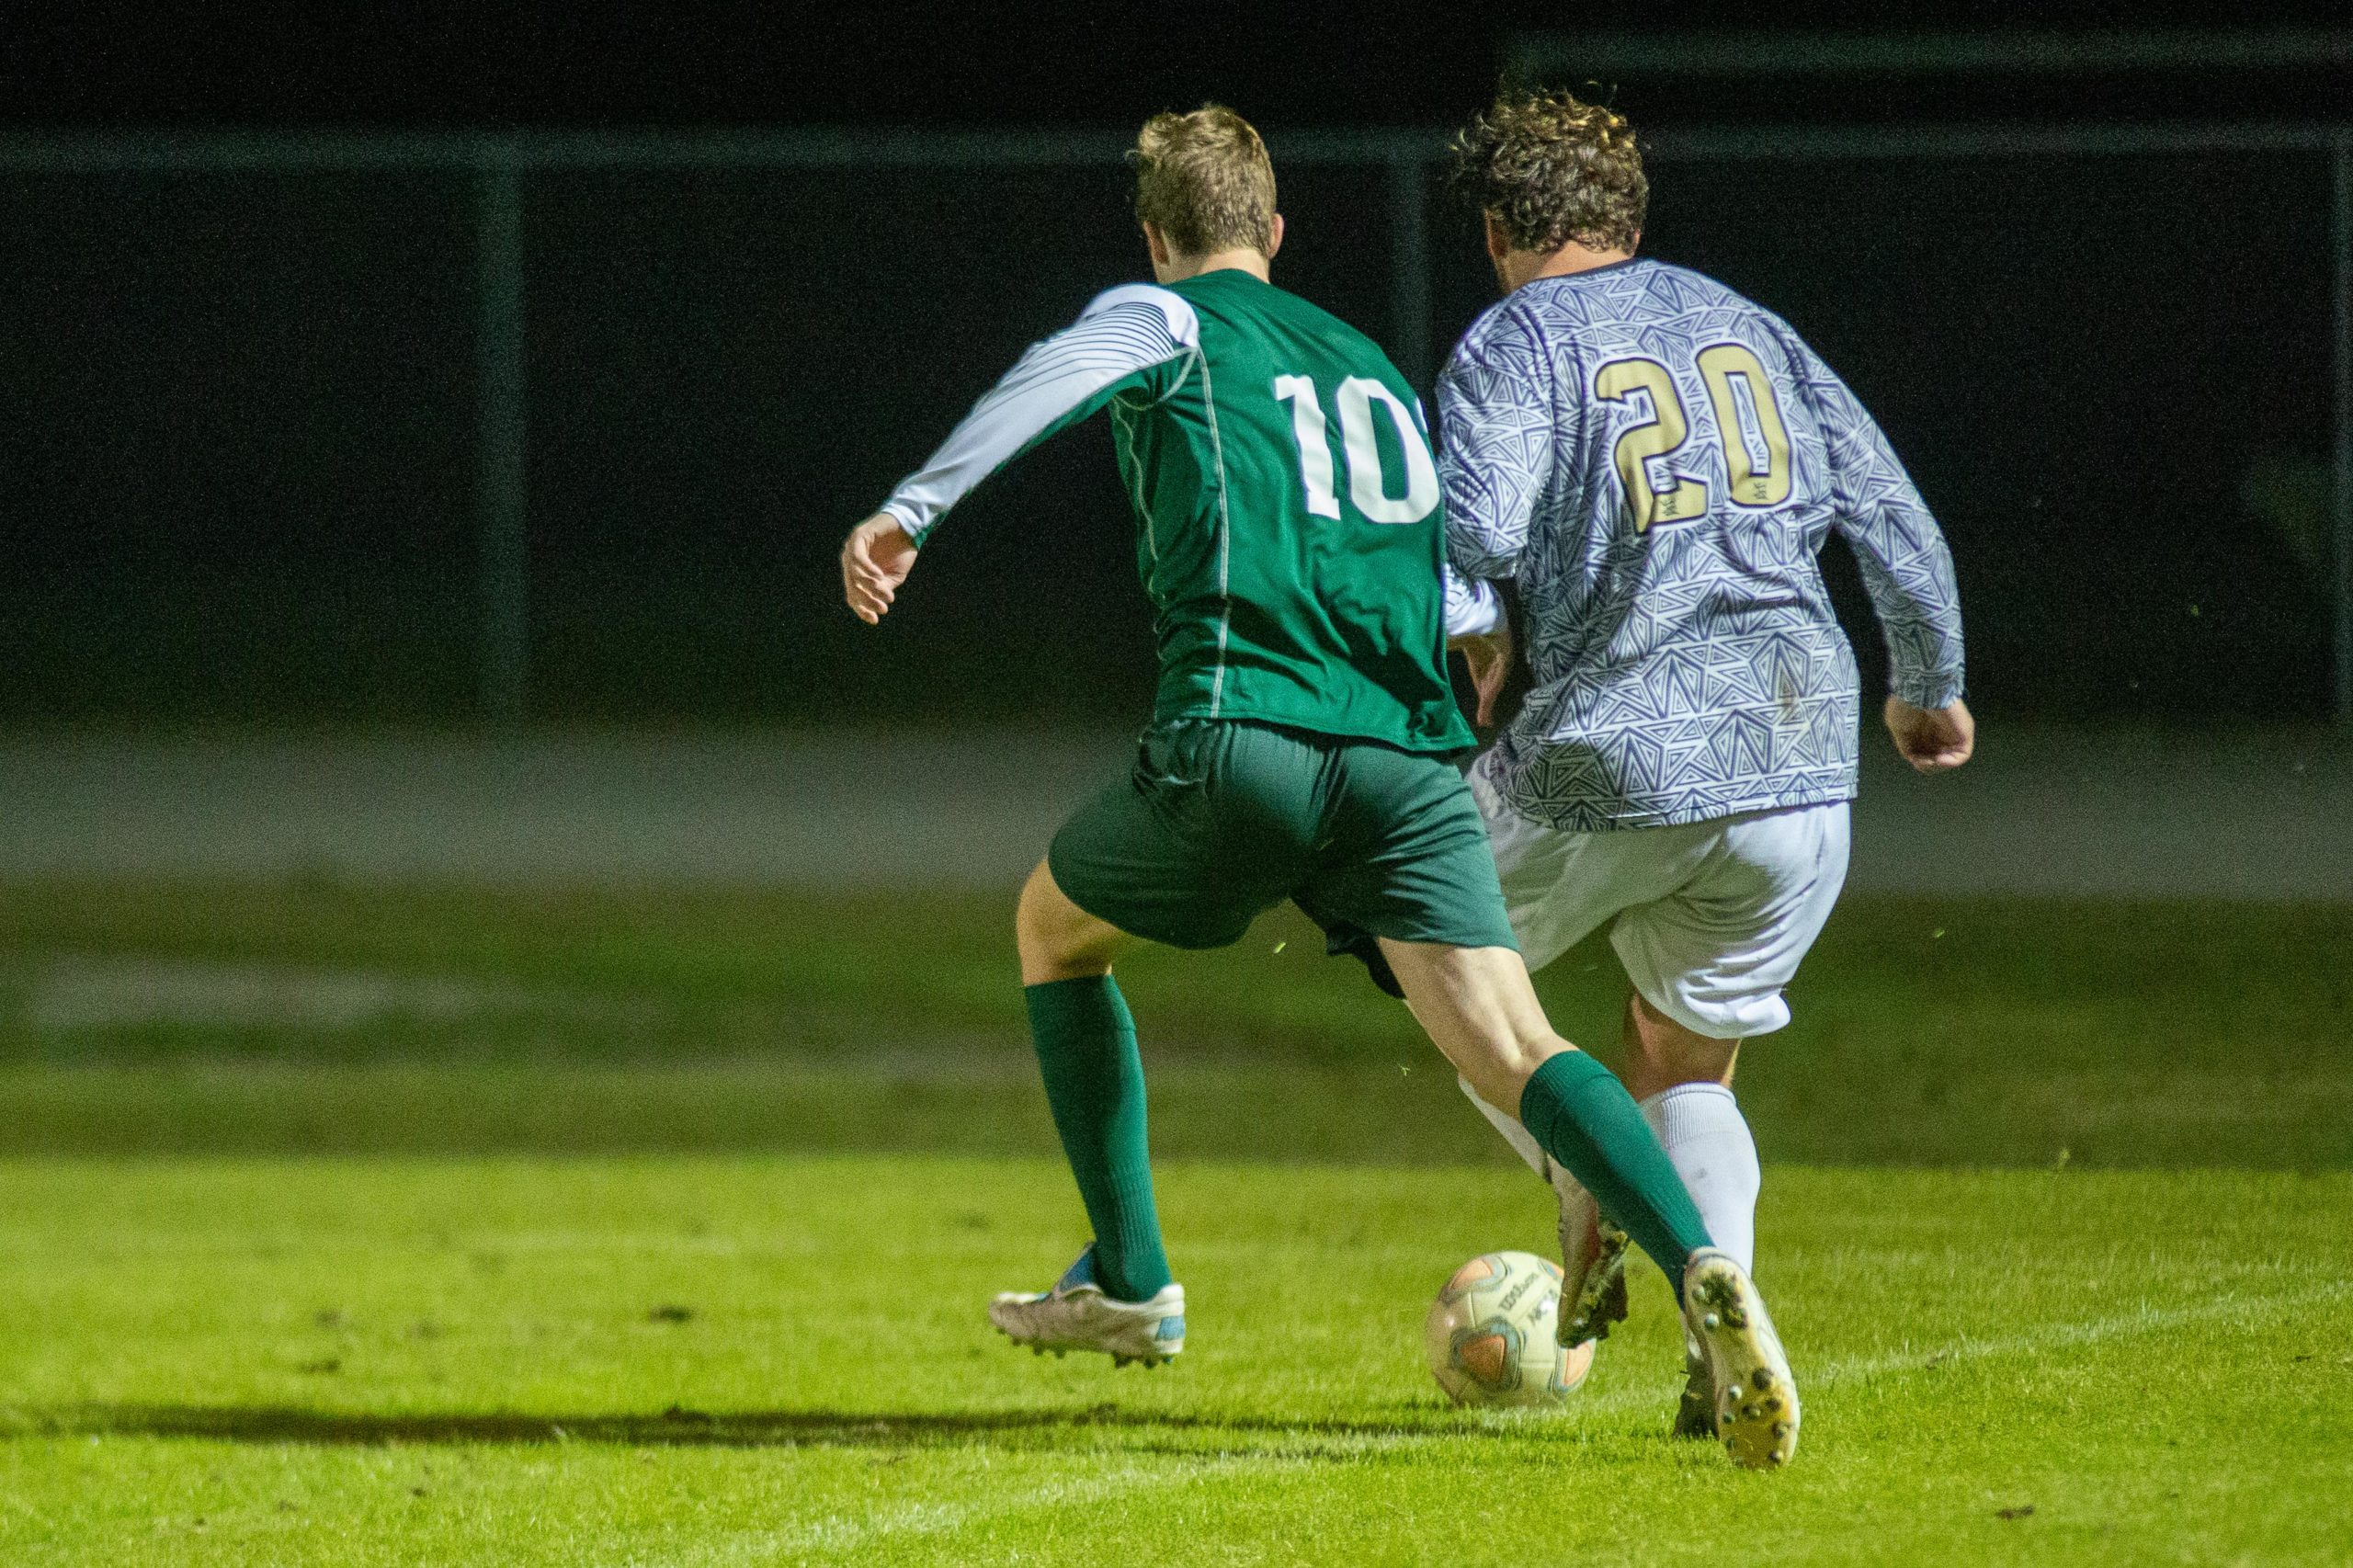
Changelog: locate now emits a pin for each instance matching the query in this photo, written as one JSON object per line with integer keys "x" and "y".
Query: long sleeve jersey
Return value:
{"x": 1656, "y": 462}
{"x": 1287, "y": 501}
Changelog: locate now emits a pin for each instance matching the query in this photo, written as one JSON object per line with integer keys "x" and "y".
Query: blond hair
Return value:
{"x": 1550, "y": 169}
{"x": 1204, "y": 180}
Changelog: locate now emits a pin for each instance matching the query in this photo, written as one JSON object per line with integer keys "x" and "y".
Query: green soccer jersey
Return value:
{"x": 1289, "y": 534}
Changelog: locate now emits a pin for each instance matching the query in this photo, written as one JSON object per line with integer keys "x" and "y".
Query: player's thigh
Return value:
{"x": 1402, "y": 855}
{"x": 1561, "y": 885}
{"x": 1480, "y": 1010}
{"x": 1715, "y": 955}
{"x": 1172, "y": 853}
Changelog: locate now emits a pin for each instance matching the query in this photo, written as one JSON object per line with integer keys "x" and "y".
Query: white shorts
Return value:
{"x": 1712, "y": 917}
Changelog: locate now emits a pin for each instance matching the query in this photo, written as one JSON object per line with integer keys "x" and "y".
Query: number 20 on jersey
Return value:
{"x": 1749, "y": 428}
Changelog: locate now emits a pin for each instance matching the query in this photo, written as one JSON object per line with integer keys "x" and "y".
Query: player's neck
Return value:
{"x": 1521, "y": 267}
{"x": 1180, "y": 266}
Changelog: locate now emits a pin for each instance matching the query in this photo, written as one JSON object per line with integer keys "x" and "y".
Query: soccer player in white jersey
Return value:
{"x": 1655, "y": 463}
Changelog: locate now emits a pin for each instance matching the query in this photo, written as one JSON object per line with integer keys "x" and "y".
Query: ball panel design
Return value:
{"x": 1469, "y": 1274}
{"x": 1492, "y": 1356}
{"x": 1489, "y": 1334}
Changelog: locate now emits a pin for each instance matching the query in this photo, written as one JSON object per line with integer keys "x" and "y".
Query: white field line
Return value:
{"x": 837, "y": 1534}
{"x": 76, "y": 992}
{"x": 2145, "y": 1319}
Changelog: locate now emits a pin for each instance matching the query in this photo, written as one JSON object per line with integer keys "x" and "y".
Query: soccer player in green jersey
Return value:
{"x": 1291, "y": 542}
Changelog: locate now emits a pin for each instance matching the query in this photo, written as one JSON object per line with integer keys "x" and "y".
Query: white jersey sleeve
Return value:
{"x": 1473, "y": 608}
{"x": 1499, "y": 423}
{"x": 1907, "y": 569}
{"x": 1058, "y": 382}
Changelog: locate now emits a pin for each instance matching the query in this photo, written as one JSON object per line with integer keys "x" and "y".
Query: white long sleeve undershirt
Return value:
{"x": 1121, "y": 332}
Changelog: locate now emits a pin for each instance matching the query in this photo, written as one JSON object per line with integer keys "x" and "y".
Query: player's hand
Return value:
{"x": 876, "y": 558}
{"x": 1490, "y": 661}
{"x": 1932, "y": 740}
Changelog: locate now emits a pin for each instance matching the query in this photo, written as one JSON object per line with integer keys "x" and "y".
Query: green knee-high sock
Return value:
{"x": 1087, "y": 1047}
{"x": 1581, "y": 1115}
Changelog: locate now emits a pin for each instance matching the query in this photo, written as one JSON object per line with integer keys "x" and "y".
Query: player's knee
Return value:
{"x": 1501, "y": 1074}
{"x": 1054, "y": 937}
{"x": 1034, "y": 926}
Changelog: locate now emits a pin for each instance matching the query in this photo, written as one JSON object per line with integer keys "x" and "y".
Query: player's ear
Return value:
{"x": 1157, "y": 244}
{"x": 1274, "y": 237}
{"x": 1498, "y": 242}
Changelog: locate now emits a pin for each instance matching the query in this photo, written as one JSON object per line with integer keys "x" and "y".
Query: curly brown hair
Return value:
{"x": 1204, "y": 180}
{"x": 1551, "y": 168}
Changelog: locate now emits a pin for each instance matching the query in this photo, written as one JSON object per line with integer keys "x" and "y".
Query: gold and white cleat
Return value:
{"x": 1751, "y": 1394}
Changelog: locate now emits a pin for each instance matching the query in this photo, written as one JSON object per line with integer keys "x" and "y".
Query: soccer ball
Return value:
{"x": 1489, "y": 1334}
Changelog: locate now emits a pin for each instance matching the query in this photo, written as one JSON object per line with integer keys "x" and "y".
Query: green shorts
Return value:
{"x": 1223, "y": 819}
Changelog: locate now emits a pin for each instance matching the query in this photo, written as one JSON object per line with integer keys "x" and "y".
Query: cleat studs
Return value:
{"x": 1780, "y": 1428}
{"x": 1711, "y": 1323}
{"x": 1736, "y": 1317}
{"x": 1763, "y": 1379}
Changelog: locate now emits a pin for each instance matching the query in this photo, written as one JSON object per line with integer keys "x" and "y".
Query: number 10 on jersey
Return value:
{"x": 1368, "y": 486}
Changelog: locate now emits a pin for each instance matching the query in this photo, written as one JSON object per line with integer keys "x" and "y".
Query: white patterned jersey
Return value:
{"x": 1655, "y": 463}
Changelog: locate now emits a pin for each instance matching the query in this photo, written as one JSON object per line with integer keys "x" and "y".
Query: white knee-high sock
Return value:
{"x": 1700, "y": 1126}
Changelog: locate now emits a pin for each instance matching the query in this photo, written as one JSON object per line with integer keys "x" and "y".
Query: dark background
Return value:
{"x": 237, "y": 445}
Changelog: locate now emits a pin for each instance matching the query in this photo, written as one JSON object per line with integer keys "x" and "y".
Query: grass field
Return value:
{"x": 434, "y": 1226}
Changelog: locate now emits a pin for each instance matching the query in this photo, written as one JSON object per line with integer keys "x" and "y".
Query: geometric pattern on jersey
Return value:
{"x": 1691, "y": 668}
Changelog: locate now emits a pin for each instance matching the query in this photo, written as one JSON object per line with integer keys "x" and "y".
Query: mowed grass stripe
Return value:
{"x": 313, "y": 1017}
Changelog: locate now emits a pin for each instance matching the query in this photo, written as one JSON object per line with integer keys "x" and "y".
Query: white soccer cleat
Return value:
{"x": 1593, "y": 1264}
{"x": 1076, "y": 1315}
{"x": 1754, "y": 1398}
